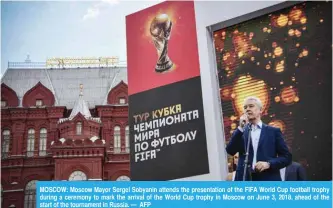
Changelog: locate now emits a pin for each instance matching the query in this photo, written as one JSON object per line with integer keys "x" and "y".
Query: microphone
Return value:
{"x": 243, "y": 123}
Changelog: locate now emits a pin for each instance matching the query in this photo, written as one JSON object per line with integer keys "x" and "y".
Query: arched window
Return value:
{"x": 78, "y": 128}
{"x": 78, "y": 176}
{"x": 127, "y": 139}
{"x": 30, "y": 195}
{"x": 123, "y": 178}
{"x": 117, "y": 140}
{"x": 5, "y": 143}
{"x": 31, "y": 143}
{"x": 42, "y": 142}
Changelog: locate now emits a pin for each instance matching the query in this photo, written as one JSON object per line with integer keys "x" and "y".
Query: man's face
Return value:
{"x": 252, "y": 110}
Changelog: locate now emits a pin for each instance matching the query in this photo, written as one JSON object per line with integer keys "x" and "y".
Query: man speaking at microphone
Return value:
{"x": 268, "y": 152}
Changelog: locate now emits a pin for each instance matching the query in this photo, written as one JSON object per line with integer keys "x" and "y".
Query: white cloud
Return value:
{"x": 95, "y": 10}
{"x": 91, "y": 13}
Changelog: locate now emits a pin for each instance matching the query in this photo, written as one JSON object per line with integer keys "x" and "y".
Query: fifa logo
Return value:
{"x": 160, "y": 30}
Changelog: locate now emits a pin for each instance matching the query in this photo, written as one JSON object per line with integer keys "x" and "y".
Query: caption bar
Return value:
{"x": 182, "y": 194}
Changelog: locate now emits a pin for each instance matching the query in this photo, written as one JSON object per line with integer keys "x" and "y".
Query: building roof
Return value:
{"x": 65, "y": 83}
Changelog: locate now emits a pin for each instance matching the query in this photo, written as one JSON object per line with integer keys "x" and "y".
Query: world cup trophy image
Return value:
{"x": 160, "y": 30}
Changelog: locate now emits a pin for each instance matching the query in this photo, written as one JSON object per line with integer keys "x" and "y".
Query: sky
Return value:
{"x": 45, "y": 29}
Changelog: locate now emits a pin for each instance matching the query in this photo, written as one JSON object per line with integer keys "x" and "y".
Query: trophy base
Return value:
{"x": 163, "y": 67}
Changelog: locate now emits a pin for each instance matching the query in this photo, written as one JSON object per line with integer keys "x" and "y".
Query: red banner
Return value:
{"x": 166, "y": 118}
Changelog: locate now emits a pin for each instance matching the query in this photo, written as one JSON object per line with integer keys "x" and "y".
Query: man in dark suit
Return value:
{"x": 293, "y": 172}
{"x": 268, "y": 152}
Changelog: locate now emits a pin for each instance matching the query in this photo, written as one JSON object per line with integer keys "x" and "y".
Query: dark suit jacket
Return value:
{"x": 295, "y": 172}
{"x": 271, "y": 148}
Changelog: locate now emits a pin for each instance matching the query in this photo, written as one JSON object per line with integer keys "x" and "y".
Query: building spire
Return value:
{"x": 80, "y": 106}
{"x": 81, "y": 90}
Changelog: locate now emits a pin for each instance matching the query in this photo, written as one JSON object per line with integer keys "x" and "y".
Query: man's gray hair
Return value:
{"x": 255, "y": 99}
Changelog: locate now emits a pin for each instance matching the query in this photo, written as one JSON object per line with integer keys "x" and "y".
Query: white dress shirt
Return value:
{"x": 255, "y": 136}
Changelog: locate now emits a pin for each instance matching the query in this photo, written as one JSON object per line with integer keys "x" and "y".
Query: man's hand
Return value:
{"x": 243, "y": 120}
{"x": 261, "y": 166}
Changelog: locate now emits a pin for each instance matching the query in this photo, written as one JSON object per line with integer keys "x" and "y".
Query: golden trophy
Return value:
{"x": 160, "y": 29}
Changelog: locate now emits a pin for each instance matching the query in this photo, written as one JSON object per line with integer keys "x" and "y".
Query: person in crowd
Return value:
{"x": 231, "y": 176}
{"x": 267, "y": 153}
{"x": 293, "y": 172}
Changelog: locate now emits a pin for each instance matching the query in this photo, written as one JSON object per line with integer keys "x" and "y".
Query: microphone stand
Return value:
{"x": 247, "y": 166}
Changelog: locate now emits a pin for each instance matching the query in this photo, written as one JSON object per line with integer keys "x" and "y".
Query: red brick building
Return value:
{"x": 62, "y": 124}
